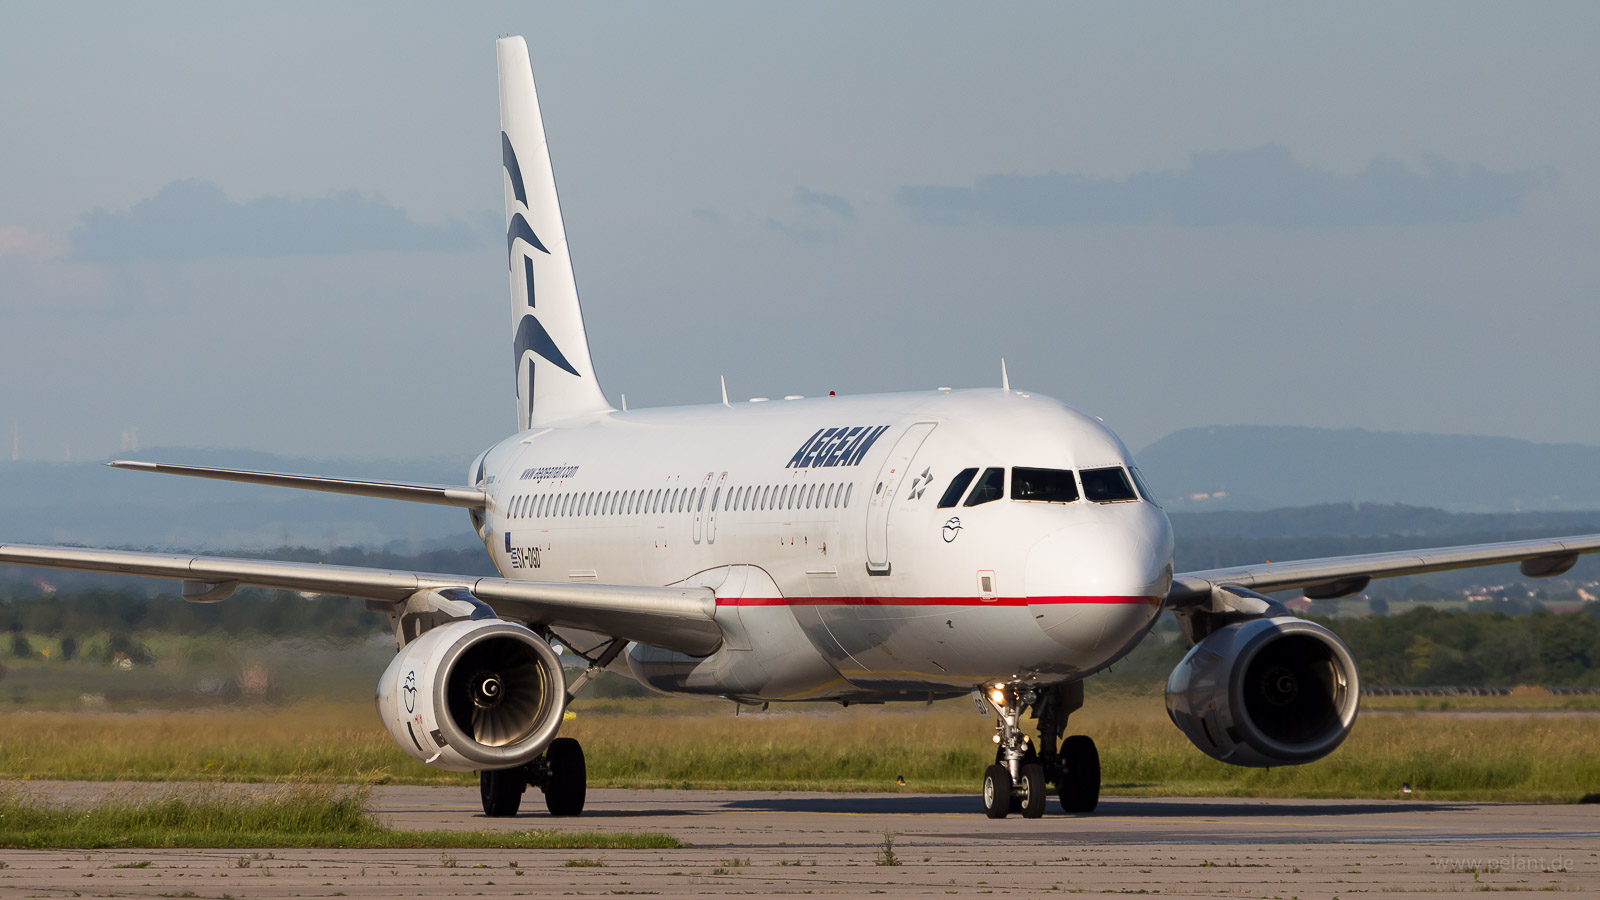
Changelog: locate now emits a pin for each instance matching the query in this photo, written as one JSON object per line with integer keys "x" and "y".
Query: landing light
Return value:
{"x": 998, "y": 695}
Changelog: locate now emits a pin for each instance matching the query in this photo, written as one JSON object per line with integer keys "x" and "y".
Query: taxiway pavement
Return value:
{"x": 836, "y": 844}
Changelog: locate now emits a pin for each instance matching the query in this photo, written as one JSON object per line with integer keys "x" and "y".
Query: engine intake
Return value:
{"x": 1266, "y": 692}
{"x": 473, "y": 694}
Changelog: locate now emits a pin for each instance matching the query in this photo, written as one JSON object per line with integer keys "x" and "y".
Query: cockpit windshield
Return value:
{"x": 992, "y": 486}
{"x": 1108, "y": 485}
{"x": 958, "y": 486}
{"x": 1044, "y": 485}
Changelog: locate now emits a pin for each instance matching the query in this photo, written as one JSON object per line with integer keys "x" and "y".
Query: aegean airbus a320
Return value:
{"x": 854, "y": 549}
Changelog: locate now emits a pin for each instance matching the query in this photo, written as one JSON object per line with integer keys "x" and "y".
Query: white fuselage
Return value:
{"x": 817, "y": 522}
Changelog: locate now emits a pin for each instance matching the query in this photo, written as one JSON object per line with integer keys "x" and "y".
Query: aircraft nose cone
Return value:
{"x": 1094, "y": 589}
{"x": 1110, "y": 562}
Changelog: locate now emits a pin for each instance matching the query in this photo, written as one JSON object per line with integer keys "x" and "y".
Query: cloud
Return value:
{"x": 1265, "y": 186}
{"x": 21, "y": 241}
{"x": 193, "y": 219}
{"x": 831, "y": 202}
{"x": 799, "y": 233}
{"x": 36, "y": 275}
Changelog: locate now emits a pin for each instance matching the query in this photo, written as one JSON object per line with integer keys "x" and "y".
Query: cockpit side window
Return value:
{"x": 992, "y": 486}
{"x": 1043, "y": 485}
{"x": 1109, "y": 485}
{"x": 958, "y": 486}
{"x": 1144, "y": 487}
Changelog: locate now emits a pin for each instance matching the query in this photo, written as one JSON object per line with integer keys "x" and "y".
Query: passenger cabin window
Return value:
{"x": 1109, "y": 485}
{"x": 958, "y": 486}
{"x": 1043, "y": 485}
{"x": 992, "y": 486}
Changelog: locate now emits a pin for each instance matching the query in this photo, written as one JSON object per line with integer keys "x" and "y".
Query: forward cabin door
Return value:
{"x": 711, "y": 515}
{"x": 884, "y": 489}
{"x": 697, "y": 504}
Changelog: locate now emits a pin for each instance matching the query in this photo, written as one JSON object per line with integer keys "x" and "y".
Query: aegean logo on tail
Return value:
{"x": 530, "y": 334}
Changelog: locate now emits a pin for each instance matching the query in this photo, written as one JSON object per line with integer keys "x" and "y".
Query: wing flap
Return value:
{"x": 1310, "y": 574}
{"x": 674, "y": 618}
{"x": 439, "y": 494}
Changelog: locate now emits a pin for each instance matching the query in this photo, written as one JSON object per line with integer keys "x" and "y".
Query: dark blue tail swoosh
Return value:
{"x": 508, "y": 157}
{"x": 532, "y": 336}
{"x": 521, "y": 229}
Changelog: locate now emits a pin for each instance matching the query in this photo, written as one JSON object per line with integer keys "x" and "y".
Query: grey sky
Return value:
{"x": 276, "y": 226}
{"x": 1265, "y": 186}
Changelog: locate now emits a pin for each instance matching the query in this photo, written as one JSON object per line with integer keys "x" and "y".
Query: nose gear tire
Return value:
{"x": 1032, "y": 791}
{"x": 996, "y": 792}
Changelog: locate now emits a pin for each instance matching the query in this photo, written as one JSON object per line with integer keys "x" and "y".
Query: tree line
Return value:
{"x": 1422, "y": 646}
{"x": 1426, "y": 646}
{"x": 121, "y": 612}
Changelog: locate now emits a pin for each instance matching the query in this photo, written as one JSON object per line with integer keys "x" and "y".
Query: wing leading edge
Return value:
{"x": 673, "y": 618}
{"x": 1341, "y": 576}
{"x": 439, "y": 494}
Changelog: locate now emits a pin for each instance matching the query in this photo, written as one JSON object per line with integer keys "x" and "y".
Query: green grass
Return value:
{"x": 299, "y": 816}
{"x": 1520, "y": 757}
{"x": 1528, "y": 756}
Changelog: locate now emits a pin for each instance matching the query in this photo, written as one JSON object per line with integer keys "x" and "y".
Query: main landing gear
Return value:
{"x": 560, "y": 774}
{"x": 1022, "y": 772}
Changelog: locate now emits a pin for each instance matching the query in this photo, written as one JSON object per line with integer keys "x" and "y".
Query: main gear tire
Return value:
{"x": 566, "y": 784}
{"x": 1079, "y": 785}
{"x": 501, "y": 790}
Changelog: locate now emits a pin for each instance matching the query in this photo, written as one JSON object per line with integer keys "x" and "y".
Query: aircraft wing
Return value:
{"x": 674, "y": 618}
{"x": 440, "y": 494}
{"x": 1341, "y": 576}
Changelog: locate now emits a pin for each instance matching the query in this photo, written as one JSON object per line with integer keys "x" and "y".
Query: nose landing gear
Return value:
{"x": 1019, "y": 778}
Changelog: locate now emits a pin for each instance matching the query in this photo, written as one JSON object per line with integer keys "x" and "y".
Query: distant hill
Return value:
{"x": 1346, "y": 483}
{"x": 88, "y": 503}
{"x": 1363, "y": 520}
{"x": 1247, "y": 467}
{"x": 1209, "y": 539}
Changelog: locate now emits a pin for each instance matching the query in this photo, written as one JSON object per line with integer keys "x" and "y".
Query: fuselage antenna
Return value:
{"x": 1005, "y": 380}
{"x": 724, "y": 380}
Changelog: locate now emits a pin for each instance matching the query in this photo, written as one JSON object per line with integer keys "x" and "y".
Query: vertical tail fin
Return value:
{"x": 554, "y": 376}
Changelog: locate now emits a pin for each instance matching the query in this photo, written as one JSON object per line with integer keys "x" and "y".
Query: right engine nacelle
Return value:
{"x": 473, "y": 694}
{"x": 1266, "y": 692}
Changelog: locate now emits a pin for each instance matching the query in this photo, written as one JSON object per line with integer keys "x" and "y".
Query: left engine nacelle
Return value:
{"x": 472, "y": 695}
{"x": 1266, "y": 692}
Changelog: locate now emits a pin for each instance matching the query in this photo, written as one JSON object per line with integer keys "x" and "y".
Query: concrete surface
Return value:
{"x": 747, "y": 842}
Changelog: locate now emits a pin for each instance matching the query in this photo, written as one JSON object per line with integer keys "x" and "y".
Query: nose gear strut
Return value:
{"x": 1017, "y": 782}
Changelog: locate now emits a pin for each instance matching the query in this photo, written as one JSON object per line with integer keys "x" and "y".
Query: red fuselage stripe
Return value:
{"x": 928, "y": 601}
